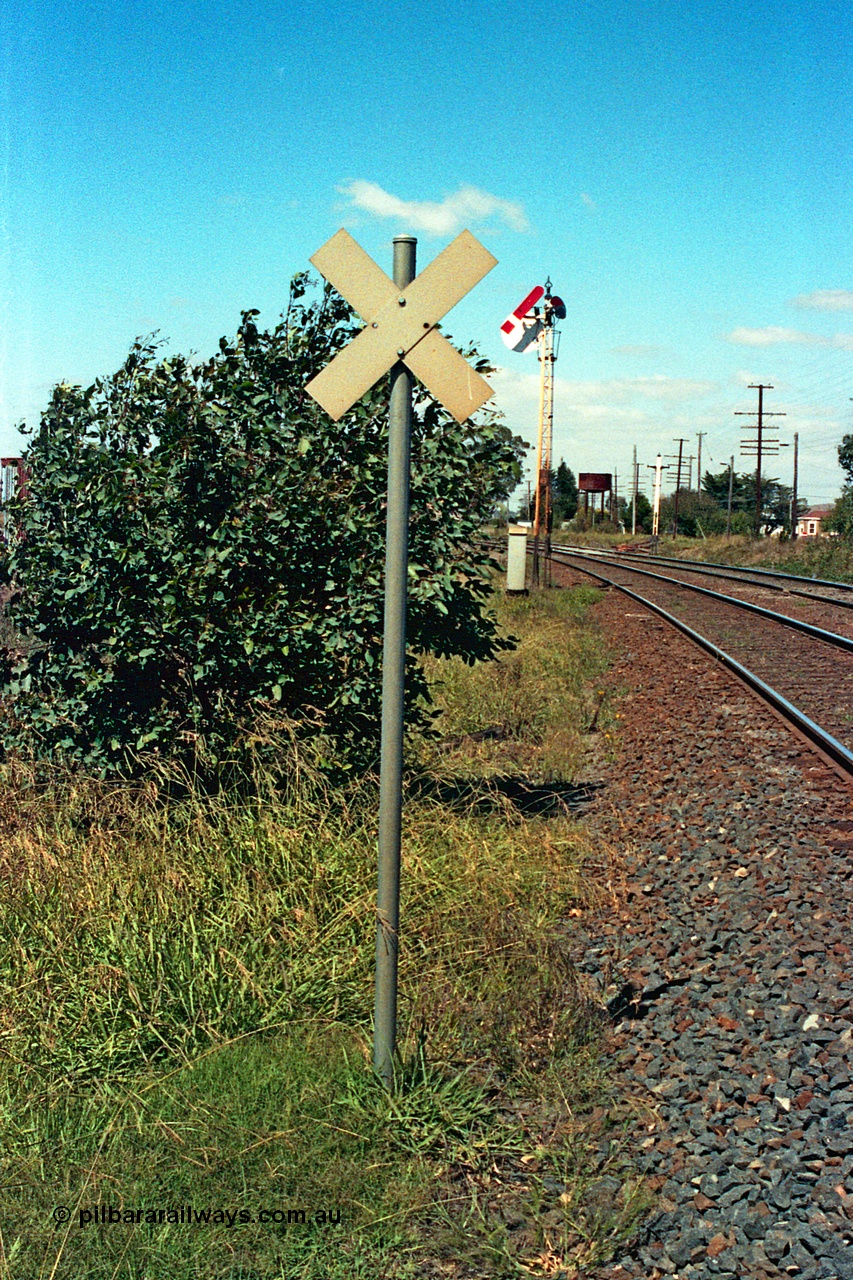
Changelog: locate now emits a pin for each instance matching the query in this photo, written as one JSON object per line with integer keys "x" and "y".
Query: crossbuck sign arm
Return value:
{"x": 401, "y": 325}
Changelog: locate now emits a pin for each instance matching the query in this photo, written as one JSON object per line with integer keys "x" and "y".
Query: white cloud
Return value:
{"x": 588, "y": 200}
{"x": 657, "y": 387}
{"x": 773, "y": 335}
{"x": 469, "y": 204}
{"x": 825, "y": 300}
{"x": 640, "y": 349}
{"x": 609, "y": 402}
{"x": 770, "y": 336}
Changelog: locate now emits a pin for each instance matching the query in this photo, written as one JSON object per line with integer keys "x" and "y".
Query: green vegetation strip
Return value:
{"x": 185, "y": 996}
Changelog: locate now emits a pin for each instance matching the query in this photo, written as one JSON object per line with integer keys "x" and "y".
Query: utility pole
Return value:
{"x": 759, "y": 445}
{"x": 634, "y": 499}
{"x": 699, "y": 435}
{"x": 731, "y": 487}
{"x": 656, "y": 503}
{"x": 681, "y": 442}
{"x": 794, "y": 513}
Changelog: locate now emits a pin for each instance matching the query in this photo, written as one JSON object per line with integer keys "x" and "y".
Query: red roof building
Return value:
{"x": 809, "y": 524}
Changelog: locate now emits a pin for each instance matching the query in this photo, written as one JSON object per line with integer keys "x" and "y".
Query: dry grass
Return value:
{"x": 186, "y": 997}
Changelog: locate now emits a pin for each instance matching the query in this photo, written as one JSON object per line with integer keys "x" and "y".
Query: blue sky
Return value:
{"x": 682, "y": 173}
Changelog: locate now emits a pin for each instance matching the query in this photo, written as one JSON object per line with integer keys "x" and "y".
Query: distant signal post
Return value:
{"x": 524, "y": 327}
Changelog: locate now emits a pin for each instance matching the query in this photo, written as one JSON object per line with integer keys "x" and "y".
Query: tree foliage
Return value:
{"x": 201, "y": 545}
{"x": 845, "y": 458}
{"x": 697, "y": 513}
{"x": 775, "y": 500}
{"x": 565, "y": 491}
{"x": 840, "y": 519}
{"x": 644, "y": 514}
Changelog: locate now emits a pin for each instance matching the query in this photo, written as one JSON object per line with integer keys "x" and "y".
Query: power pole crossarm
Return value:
{"x": 758, "y": 444}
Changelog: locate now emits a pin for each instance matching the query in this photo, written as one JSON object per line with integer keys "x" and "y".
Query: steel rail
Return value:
{"x": 831, "y": 747}
{"x": 731, "y": 572}
{"x": 817, "y": 633}
{"x": 714, "y": 564}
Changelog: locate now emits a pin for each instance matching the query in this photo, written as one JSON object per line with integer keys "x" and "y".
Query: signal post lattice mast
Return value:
{"x": 543, "y": 516}
{"x": 521, "y": 329}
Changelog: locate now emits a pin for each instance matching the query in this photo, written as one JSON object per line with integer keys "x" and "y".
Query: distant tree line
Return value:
{"x": 564, "y": 497}
{"x": 841, "y": 518}
{"x": 700, "y": 512}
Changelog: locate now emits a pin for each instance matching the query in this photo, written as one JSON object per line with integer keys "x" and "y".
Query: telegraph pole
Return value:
{"x": 681, "y": 442}
{"x": 699, "y": 435}
{"x": 656, "y": 502}
{"x": 758, "y": 444}
{"x": 731, "y": 487}
{"x": 794, "y": 513}
{"x": 634, "y": 500}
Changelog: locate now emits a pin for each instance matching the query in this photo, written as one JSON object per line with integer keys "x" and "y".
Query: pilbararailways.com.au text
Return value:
{"x": 103, "y": 1215}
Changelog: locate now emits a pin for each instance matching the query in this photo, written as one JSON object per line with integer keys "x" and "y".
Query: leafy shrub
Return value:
{"x": 200, "y": 545}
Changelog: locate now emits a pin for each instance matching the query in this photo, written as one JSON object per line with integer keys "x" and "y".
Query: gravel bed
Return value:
{"x": 726, "y": 961}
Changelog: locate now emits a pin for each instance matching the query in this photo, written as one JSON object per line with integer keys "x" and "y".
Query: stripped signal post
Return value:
{"x": 533, "y": 327}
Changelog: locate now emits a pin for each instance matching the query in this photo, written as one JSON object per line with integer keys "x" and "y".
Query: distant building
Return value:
{"x": 809, "y": 524}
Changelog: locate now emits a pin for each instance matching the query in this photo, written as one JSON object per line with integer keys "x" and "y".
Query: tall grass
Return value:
{"x": 809, "y": 557}
{"x": 537, "y": 702}
{"x": 185, "y": 1008}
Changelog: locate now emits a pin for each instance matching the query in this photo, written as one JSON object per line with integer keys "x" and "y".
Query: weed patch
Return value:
{"x": 185, "y": 1005}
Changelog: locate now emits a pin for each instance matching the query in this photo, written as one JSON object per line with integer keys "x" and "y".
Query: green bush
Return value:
{"x": 200, "y": 545}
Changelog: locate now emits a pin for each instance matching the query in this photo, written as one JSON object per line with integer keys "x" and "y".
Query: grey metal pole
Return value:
{"x": 794, "y": 503}
{"x": 393, "y": 681}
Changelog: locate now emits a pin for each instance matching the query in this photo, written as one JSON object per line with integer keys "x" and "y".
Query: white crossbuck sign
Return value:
{"x": 400, "y": 325}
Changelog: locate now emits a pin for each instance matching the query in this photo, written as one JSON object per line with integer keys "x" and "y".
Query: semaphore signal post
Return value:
{"x": 524, "y": 327}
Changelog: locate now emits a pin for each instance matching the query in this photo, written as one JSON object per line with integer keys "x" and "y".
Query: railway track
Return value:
{"x": 724, "y": 959}
{"x": 767, "y": 580}
{"x": 804, "y": 671}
